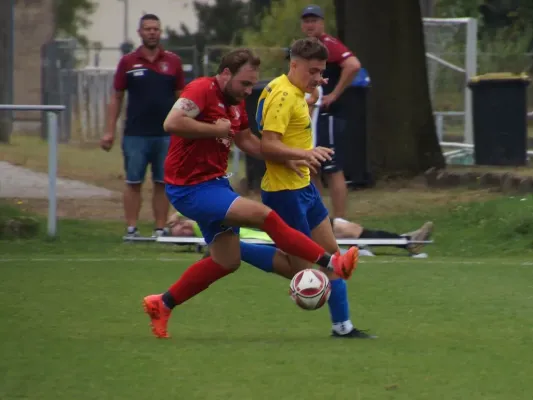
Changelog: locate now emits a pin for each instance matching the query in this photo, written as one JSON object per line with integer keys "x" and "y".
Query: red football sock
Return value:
{"x": 194, "y": 280}
{"x": 290, "y": 240}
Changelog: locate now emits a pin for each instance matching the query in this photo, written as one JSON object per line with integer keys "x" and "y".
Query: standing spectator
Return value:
{"x": 341, "y": 68}
{"x": 153, "y": 78}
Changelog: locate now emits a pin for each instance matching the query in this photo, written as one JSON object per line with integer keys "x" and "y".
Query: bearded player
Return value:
{"x": 210, "y": 115}
{"x": 285, "y": 125}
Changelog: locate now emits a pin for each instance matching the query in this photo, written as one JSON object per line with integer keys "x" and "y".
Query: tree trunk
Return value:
{"x": 388, "y": 38}
{"x": 340, "y": 14}
{"x": 6, "y": 63}
{"x": 427, "y": 8}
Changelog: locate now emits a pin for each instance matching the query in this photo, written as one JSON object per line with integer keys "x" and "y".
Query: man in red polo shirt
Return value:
{"x": 153, "y": 79}
{"x": 341, "y": 68}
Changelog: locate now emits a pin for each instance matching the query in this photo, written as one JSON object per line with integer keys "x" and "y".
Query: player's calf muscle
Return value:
{"x": 324, "y": 236}
{"x": 225, "y": 250}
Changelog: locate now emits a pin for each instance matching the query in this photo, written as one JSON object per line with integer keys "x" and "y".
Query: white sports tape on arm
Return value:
{"x": 189, "y": 106}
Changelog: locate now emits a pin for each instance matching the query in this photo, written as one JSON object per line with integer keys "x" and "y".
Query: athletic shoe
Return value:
{"x": 160, "y": 232}
{"x": 345, "y": 264}
{"x": 353, "y": 334}
{"x": 421, "y": 234}
{"x": 158, "y": 313}
{"x": 133, "y": 233}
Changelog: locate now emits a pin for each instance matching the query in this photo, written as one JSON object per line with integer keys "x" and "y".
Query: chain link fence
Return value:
{"x": 82, "y": 79}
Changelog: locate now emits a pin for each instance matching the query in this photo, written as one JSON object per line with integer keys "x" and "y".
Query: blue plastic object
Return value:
{"x": 362, "y": 79}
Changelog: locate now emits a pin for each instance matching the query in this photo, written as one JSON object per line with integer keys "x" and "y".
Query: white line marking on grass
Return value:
{"x": 88, "y": 259}
{"x": 404, "y": 260}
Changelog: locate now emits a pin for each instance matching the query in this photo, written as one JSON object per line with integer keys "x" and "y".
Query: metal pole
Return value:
{"x": 53, "y": 128}
{"x": 126, "y": 16}
{"x": 236, "y": 161}
{"x": 471, "y": 71}
{"x": 11, "y": 53}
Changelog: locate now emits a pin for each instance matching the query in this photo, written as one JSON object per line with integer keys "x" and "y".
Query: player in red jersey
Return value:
{"x": 206, "y": 119}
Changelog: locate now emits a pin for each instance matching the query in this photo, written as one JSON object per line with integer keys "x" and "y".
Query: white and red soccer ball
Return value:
{"x": 310, "y": 289}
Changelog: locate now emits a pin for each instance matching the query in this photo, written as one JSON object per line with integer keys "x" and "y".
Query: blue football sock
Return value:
{"x": 338, "y": 302}
{"x": 258, "y": 255}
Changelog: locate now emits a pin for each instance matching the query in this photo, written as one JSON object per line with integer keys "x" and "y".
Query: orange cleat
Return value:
{"x": 158, "y": 313}
{"x": 345, "y": 264}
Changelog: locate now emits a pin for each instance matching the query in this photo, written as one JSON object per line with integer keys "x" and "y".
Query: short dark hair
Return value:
{"x": 236, "y": 59}
{"x": 148, "y": 17}
{"x": 309, "y": 49}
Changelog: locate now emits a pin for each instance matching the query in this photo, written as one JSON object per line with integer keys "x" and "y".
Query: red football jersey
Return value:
{"x": 192, "y": 161}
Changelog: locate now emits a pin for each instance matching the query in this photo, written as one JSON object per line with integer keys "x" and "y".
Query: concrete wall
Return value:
{"x": 34, "y": 26}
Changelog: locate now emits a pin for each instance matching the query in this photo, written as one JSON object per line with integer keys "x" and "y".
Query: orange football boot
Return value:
{"x": 345, "y": 264}
{"x": 158, "y": 313}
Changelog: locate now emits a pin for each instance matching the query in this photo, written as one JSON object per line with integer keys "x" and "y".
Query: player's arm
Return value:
{"x": 273, "y": 149}
{"x": 115, "y": 106}
{"x": 113, "y": 111}
{"x": 246, "y": 141}
{"x": 180, "y": 79}
{"x": 313, "y": 97}
{"x": 181, "y": 120}
{"x": 276, "y": 111}
{"x": 350, "y": 66}
{"x": 349, "y": 69}
{"x": 276, "y": 114}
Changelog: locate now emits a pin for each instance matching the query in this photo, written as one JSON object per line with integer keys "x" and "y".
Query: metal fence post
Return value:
{"x": 52, "y": 121}
{"x": 53, "y": 128}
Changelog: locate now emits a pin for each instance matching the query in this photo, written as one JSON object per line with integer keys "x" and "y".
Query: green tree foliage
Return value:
{"x": 505, "y": 31}
{"x": 281, "y": 25}
{"x": 457, "y": 8}
{"x": 73, "y": 16}
{"x": 220, "y": 24}
{"x": 278, "y": 29}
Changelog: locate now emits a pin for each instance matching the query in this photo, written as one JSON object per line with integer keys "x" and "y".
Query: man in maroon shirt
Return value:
{"x": 207, "y": 118}
{"x": 153, "y": 79}
{"x": 341, "y": 68}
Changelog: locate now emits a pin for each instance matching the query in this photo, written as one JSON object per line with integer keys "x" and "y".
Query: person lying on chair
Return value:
{"x": 181, "y": 226}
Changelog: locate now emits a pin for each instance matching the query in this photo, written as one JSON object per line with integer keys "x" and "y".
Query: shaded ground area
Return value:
{"x": 19, "y": 182}
{"x": 99, "y": 196}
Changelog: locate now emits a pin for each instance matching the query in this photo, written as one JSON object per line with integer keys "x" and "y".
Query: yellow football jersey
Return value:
{"x": 282, "y": 108}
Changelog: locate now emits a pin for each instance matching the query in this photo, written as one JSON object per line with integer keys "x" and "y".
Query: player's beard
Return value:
{"x": 151, "y": 45}
{"x": 229, "y": 97}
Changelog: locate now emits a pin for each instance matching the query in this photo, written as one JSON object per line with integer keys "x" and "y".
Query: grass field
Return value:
{"x": 458, "y": 325}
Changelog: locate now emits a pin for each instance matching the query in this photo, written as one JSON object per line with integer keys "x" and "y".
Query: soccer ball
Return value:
{"x": 310, "y": 289}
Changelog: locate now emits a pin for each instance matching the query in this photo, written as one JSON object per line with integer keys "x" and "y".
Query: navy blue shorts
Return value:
{"x": 207, "y": 203}
{"x": 330, "y": 130}
{"x": 301, "y": 209}
{"x": 139, "y": 151}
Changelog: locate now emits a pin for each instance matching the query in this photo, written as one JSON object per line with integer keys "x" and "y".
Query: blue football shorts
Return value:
{"x": 207, "y": 203}
{"x": 301, "y": 209}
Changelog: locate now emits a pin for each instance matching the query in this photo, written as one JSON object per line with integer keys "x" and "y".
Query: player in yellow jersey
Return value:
{"x": 286, "y": 138}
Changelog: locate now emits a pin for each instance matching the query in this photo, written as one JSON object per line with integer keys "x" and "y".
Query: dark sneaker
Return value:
{"x": 132, "y": 233}
{"x": 354, "y": 334}
{"x": 160, "y": 232}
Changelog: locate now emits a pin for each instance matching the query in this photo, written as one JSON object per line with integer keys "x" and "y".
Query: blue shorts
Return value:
{"x": 330, "y": 131}
{"x": 301, "y": 209}
{"x": 207, "y": 203}
{"x": 139, "y": 151}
